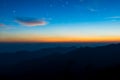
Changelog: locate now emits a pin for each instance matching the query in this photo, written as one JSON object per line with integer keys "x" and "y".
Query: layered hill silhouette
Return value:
{"x": 63, "y": 63}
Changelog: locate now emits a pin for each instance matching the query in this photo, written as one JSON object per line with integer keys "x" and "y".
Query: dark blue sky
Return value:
{"x": 59, "y": 19}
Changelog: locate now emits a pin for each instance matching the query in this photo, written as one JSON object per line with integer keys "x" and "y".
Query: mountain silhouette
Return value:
{"x": 63, "y": 63}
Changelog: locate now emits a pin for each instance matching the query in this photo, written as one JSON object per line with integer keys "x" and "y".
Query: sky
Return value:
{"x": 59, "y": 20}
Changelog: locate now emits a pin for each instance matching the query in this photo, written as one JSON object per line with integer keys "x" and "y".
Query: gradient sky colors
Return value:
{"x": 59, "y": 20}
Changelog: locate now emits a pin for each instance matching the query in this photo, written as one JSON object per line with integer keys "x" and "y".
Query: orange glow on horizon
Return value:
{"x": 63, "y": 39}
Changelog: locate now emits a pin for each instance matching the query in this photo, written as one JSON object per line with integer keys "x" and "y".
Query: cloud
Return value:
{"x": 114, "y": 17}
{"x": 92, "y": 9}
{"x": 1, "y": 24}
{"x": 6, "y": 27}
{"x": 114, "y": 20}
{"x": 31, "y": 22}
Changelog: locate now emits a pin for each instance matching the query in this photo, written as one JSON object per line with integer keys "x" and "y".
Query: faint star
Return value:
{"x": 63, "y": 5}
{"x": 14, "y": 11}
{"x": 51, "y": 5}
{"x": 66, "y": 2}
{"x": 81, "y": 0}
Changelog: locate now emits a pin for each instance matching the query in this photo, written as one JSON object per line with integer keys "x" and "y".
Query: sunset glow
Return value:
{"x": 62, "y": 39}
{"x": 59, "y": 21}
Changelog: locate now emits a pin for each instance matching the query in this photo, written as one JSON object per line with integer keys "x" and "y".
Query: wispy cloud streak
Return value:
{"x": 31, "y": 22}
{"x": 2, "y": 25}
{"x": 114, "y": 17}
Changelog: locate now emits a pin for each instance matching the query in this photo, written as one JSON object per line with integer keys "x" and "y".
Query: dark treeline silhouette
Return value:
{"x": 62, "y": 63}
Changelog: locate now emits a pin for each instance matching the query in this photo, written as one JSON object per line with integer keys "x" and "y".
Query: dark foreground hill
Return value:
{"x": 63, "y": 63}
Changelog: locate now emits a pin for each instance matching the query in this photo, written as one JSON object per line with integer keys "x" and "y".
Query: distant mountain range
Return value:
{"x": 13, "y": 47}
{"x": 63, "y": 63}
